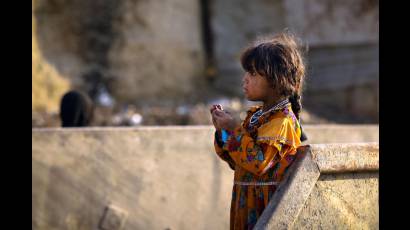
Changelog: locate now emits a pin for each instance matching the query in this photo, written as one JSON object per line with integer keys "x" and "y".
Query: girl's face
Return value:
{"x": 256, "y": 87}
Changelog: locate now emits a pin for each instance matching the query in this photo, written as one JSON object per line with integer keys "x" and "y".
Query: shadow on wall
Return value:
{"x": 76, "y": 37}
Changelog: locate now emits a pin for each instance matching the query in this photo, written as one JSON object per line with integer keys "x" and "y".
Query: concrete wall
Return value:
{"x": 129, "y": 45}
{"x": 125, "y": 45}
{"x": 161, "y": 178}
{"x": 318, "y": 134}
{"x": 139, "y": 178}
{"x": 330, "y": 186}
{"x": 343, "y": 82}
{"x": 348, "y": 201}
{"x": 334, "y": 31}
{"x": 235, "y": 24}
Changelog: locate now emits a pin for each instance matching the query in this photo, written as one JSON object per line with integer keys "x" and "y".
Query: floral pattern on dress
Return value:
{"x": 256, "y": 159}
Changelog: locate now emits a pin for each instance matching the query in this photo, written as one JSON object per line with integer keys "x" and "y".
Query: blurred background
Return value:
{"x": 152, "y": 62}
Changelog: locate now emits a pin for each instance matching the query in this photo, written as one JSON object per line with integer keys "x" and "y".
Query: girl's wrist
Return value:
{"x": 224, "y": 135}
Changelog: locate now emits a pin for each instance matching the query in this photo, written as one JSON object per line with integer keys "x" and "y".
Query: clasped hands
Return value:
{"x": 222, "y": 119}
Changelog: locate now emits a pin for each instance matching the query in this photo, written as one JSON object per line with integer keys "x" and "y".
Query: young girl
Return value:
{"x": 263, "y": 147}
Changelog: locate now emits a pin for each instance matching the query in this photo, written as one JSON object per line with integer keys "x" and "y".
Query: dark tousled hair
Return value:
{"x": 278, "y": 59}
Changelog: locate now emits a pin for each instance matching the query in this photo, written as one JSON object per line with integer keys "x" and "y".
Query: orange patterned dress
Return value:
{"x": 259, "y": 154}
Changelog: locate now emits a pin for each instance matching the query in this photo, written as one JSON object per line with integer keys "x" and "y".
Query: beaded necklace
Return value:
{"x": 255, "y": 117}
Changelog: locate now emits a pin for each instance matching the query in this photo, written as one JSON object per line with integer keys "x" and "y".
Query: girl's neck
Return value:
{"x": 270, "y": 102}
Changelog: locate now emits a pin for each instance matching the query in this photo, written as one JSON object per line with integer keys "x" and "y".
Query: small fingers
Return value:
{"x": 212, "y": 108}
{"x": 218, "y": 113}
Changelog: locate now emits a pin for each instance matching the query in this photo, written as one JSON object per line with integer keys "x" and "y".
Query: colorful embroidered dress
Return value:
{"x": 259, "y": 154}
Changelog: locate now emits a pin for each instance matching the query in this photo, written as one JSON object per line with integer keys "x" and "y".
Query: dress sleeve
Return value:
{"x": 223, "y": 154}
